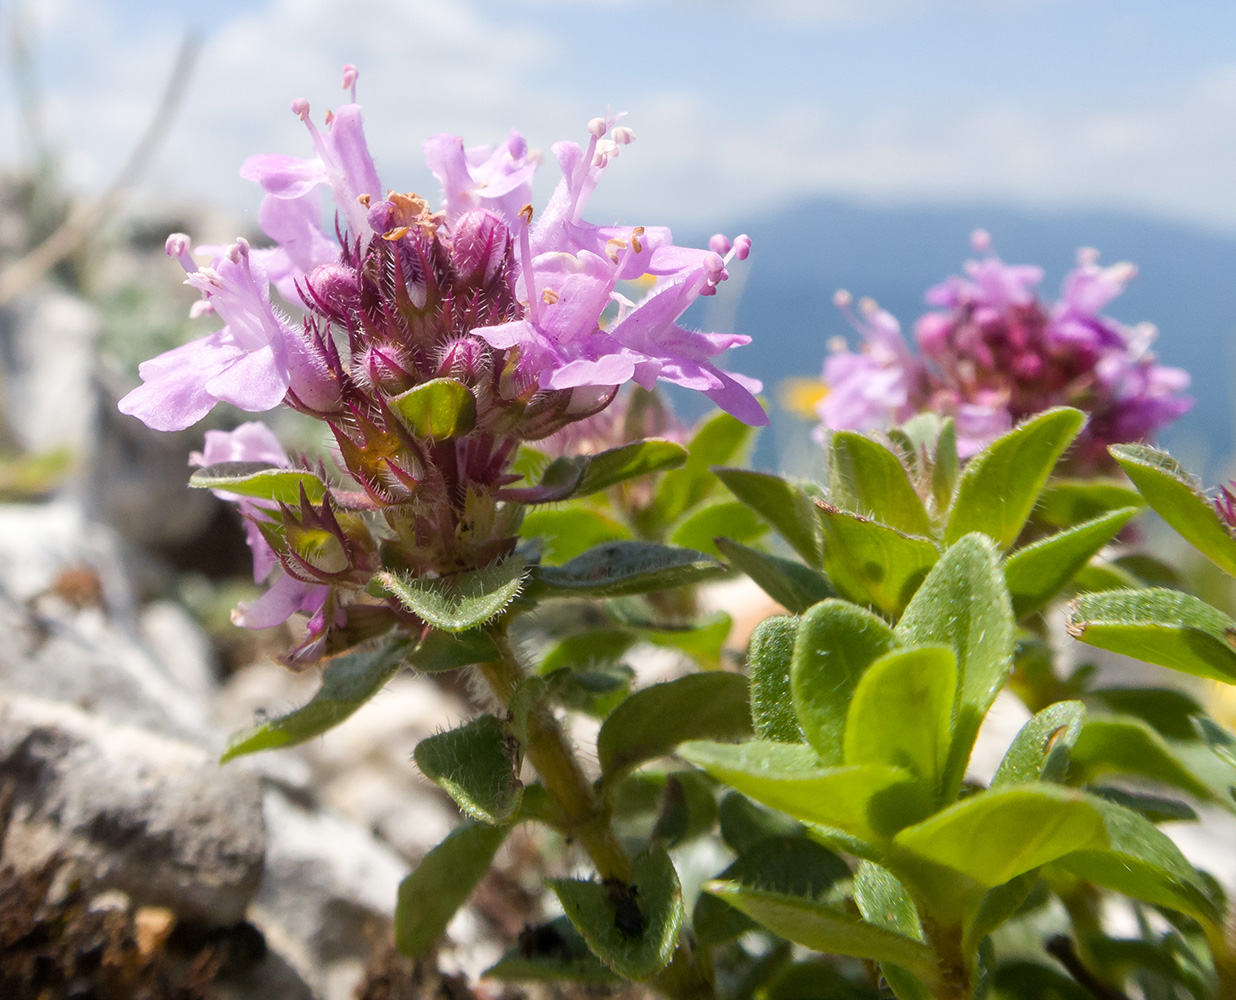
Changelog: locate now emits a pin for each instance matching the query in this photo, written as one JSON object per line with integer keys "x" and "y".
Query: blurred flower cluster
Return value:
{"x": 993, "y": 352}
{"x": 431, "y": 342}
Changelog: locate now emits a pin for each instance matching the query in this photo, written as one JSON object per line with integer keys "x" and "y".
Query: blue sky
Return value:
{"x": 1036, "y": 103}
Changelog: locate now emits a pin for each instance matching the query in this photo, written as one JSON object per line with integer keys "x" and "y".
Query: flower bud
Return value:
{"x": 336, "y": 289}
{"x": 480, "y": 245}
{"x": 462, "y": 359}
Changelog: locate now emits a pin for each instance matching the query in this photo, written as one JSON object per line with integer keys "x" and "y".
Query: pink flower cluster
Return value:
{"x": 993, "y": 353}
{"x": 562, "y": 321}
{"x": 528, "y": 316}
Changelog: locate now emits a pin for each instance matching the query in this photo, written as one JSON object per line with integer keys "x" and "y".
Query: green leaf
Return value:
{"x": 901, "y": 712}
{"x": 744, "y": 824}
{"x": 811, "y": 979}
{"x": 477, "y": 765}
{"x": 997, "y": 906}
{"x": 441, "y": 884}
{"x": 1025, "y": 980}
{"x": 1000, "y": 485}
{"x": 260, "y": 481}
{"x": 618, "y": 568}
{"x": 460, "y": 602}
{"x": 551, "y": 953}
{"x": 768, "y": 663}
{"x": 439, "y": 409}
{"x": 632, "y": 928}
{"x": 871, "y": 563}
{"x": 595, "y": 647}
{"x": 570, "y": 531}
{"x": 1097, "y": 576}
{"x": 703, "y": 640}
{"x": 792, "y": 865}
{"x": 884, "y": 902}
{"x": 1125, "y": 745}
{"x": 559, "y": 481}
{"x": 1159, "y": 626}
{"x": 867, "y": 479}
{"x": 1217, "y": 738}
{"x": 1168, "y": 710}
{"x": 1155, "y": 808}
{"x": 868, "y": 801}
{"x": 947, "y": 468}
{"x": 824, "y": 928}
{"x": 438, "y": 651}
{"x": 996, "y": 835}
{"x": 785, "y": 506}
{"x": 1038, "y": 572}
{"x": 836, "y": 643}
{"x": 596, "y": 690}
{"x": 1066, "y": 503}
{"x": 651, "y": 722}
{"x": 628, "y": 461}
{"x": 1040, "y": 751}
{"x": 1176, "y": 497}
{"x": 791, "y": 584}
{"x": 964, "y": 603}
{"x": 688, "y": 808}
{"x": 350, "y": 680}
{"x": 717, "y": 440}
{"x": 1142, "y": 862}
{"x": 733, "y": 522}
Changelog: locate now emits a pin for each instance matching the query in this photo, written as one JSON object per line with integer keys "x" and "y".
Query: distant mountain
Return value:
{"x": 1186, "y": 287}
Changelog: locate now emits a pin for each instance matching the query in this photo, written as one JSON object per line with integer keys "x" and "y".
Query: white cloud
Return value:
{"x": 701, "y": 159}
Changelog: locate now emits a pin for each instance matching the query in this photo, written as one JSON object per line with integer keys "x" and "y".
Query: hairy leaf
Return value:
{"x": 999, "y": 487}
{"x": 1166, "y": 627}
{"x": 836, "y": 642}
{"x": 441, "y": 884}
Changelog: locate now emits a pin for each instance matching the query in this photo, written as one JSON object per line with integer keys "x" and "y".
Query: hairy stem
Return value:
{"x": 689, "y": 976}
{"x": 586, "y": 819}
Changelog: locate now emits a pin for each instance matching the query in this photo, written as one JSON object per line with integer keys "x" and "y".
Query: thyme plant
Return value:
{"x": 466, "y": 364}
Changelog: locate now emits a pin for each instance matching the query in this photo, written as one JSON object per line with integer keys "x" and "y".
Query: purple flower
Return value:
{"x": 498, "y": 180}
{"x": 993, "y": 353}
{"x": 568, "y": 273}
{"x": 531, "y": 322}
{"x": 878, "y": 385}
{"x": 343, "y": 163}
{"x": 285, "y": 594}
{"x": 250, "y": 362}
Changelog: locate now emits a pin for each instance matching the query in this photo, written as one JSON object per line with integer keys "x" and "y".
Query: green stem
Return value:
{"x": 955, "y": 981}
{"x": 586, "y": 818}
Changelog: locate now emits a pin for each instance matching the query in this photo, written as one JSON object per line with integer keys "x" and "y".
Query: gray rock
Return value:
{"x": 129, "y": 809}
{"x": 328, "y": 892}
{"x": 48, "y": 394}
{"x": 67, "y": 614}
{"x": 180, "y": 647}
{"x": 87, "y": 661}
